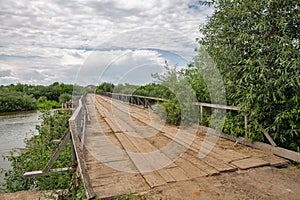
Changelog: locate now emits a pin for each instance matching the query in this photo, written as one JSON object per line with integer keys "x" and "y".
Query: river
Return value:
{"x": 14, "y": 128}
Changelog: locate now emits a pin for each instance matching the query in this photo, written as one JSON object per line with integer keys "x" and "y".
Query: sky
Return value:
{"x": 91, "y": 41}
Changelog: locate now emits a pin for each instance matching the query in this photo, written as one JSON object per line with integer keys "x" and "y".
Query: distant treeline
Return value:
{"x": 23, "y": 97}
{"x": 150, "y": 90}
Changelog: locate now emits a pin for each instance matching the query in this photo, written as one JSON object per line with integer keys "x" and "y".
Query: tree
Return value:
{"x": 255, "y": 45}
{"x": 178, "y": 108}
{"x": 105, "y": 87}
{"x": 63, "y": 98}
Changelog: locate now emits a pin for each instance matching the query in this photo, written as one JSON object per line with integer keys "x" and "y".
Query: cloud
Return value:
{"x": 121, "y": 66}
{"x": 45, "y": 41}
{"x": 5, "y": 73}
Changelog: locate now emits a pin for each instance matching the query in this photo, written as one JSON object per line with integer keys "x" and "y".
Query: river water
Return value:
{"x": 14, "y": 128}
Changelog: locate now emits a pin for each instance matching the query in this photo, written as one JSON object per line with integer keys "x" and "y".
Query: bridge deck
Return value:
{"x": 128, "y": 148}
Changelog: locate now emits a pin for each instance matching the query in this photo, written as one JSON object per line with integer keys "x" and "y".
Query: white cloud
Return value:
{"x": 46, "y": 41}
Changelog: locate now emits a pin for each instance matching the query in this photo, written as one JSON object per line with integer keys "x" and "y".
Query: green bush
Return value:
{"x": 48, "y": 105}
{"x": 63, "y": 98}
{"x": 15, "y": 101}
{"x": 39, "y": 150}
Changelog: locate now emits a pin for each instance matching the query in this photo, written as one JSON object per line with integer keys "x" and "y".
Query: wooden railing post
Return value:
{"x": 201, "y": 113}
{"x": 246, "y": 126}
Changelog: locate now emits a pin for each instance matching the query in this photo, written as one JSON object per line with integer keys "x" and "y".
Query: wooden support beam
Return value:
{"x": 268, "y": 137}
{"x": 50, "y": 172}
{"x": 61, "y": 146}
{"x": 211, "y": 105}
{"x": 140, "y": 102}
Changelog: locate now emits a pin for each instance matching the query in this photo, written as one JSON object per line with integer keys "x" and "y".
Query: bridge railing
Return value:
{"x": 144, "y": 101}
{"x": 77, "y": 124}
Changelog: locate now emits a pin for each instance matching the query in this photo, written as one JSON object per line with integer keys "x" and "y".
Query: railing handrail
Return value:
{"x": 138, "y": 96}
{"x": 77, "y": 128}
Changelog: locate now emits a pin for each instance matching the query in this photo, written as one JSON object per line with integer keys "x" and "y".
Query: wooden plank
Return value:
{"x": 115, "y": 128}
{"x": 209, "y": 170}
{"x": 61, "y": 146}
{"x": 251, "y": 162}
{"x": 217, "y": 164}
{"x": 211, "y": 105}
{"x": 276, "y": 161}
{"x": 177, "y": 173}
{"x": 166, "y": 175}
{"x": 191, "y": 170}
{"x": 50, "y": 172}
{"x": 142, "y": 164}
{"x": 268, "y": 137}
{"x": 225, "y": 155}
{"x": 154, "y": 179}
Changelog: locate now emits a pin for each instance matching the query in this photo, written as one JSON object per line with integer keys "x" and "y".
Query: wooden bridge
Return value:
{"x": 121, "y": 147}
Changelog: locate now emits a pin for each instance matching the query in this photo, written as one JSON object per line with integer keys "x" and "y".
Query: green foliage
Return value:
{"x": 234, "y": 124}
{"x": 104, "y": 87}
{"x": 39, "y": 150}
{"x": 153, "y": 90}
{"x": 125, "y": 88}
{"x": 179, "y": 105}
{"x": 63, "y": 98}
{"x": 15, "y": 101}
{"x": 255, "y": 45}
{"x": 48, "y": 105}
{"x": 22, "y": 97}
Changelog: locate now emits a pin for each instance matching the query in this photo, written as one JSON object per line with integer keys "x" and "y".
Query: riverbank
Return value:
{"x": 17, "y": 112}
{"x": 15, "y": 127}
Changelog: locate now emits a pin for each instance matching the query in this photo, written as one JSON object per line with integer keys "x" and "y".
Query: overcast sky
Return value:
{"x": 88, "y": 42}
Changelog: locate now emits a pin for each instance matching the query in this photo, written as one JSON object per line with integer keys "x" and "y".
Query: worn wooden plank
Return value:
{"x": 115, "y": 128}
{"x": 154, "y": 179}
{"x": 250, "y": 163}
{"x": 226, "y": 155}
{"x": 216, "y": 163}
{"x": 190, "y": 169}
{"x": 276, "y": 161}
{"x": 166, "y": 176}
{"x": 209, "y": 170}
{"x": 142, "y": 164}
{"x": 177, "y": 173}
